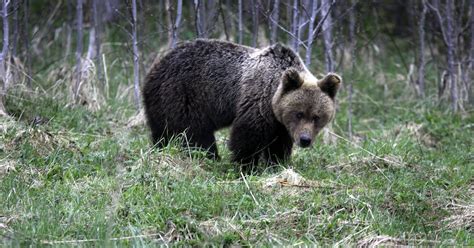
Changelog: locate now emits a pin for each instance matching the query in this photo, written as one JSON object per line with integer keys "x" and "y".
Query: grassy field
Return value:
{"x": 70, "y": 175}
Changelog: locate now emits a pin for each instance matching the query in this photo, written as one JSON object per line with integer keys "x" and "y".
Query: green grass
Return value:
{"x": 84, "y": 177}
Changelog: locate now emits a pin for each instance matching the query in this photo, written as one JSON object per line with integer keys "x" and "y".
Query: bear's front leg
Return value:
{"x": 279, "y": 150}
{"x": 245, "y": 144}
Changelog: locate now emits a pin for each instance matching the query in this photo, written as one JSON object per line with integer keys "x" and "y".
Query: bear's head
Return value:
{"x": 304, "y": 105}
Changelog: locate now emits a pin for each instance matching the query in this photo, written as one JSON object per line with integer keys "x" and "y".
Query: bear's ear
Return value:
{"x": 277, "y": 48}
{"x": 330, "y": 84}
{"x": 291, "y": 80}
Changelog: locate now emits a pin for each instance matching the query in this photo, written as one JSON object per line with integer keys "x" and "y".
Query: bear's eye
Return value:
{"x": 315, "y": 118}
{"x": 299, "y": 115}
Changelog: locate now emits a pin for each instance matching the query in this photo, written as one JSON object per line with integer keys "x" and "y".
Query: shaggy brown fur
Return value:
{"x": 267, "y": 95}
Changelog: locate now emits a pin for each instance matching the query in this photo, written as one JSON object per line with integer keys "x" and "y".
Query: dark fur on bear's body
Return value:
{"x": 205, "y": 85}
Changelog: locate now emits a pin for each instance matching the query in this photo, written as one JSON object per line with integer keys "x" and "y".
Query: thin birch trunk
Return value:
{"x": 314, "y": 12}
{"x": 241, "y": 27}
{"x": 78, "y": 50}
{"x": 203, "y": 19}
{"x": 352, "y": 39}
{"x": 421, "y": 57}
{"x": 274, "y": 21}
{"x": 16, "y": 27}
{"x": 224, "y": 22}
{"x": 177, "y": 23}
{"x": 91, "y": 49}
{"x": 326, "y": 5}
{"x": 254, "y": 23}
{"x": 136, "y": 75}
{"x": 471, "y": 59}
{"x": 198, "y": 17}
{"x": 68, "y": 28}
{"x": 97, "y": 38}
{"x": 169, "y": 20}
{"x": 302, "y": 21}
{"x": 470, "y": 67}
{"x": 211, "y": 14}
{"x": 3, "y": 58}
{"x": 327, "y": 35}
{"x": 295, "y": 25}
{"x": 451, "y": 42}
{"x": 26, "y": 41}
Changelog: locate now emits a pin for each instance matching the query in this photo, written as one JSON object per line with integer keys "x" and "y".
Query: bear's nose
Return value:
{"x": 305, "y": 140}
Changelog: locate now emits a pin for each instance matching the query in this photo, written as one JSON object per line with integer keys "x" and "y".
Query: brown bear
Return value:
{"x": 267, "y": 95}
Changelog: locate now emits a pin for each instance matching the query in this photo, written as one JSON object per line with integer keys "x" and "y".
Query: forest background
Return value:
{"x": 395, "y": 168}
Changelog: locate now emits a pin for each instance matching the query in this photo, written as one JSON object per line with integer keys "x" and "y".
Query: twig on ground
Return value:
{"x": 250, "y": 191}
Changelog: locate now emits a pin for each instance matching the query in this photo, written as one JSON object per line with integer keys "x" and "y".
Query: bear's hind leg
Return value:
{"x": 159, "y": 134}
{"x": 202, "y": 140}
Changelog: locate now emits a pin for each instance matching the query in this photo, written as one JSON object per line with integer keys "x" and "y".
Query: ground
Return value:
{"x": 71, "y": 175}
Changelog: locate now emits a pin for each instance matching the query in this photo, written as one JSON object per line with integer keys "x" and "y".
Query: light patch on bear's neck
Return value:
{"x": 308, "y": 78}
{"x": 259, "y": 52}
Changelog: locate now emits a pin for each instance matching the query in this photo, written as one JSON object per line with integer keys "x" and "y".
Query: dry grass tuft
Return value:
{"x": 43, "y": 141}
{"x": 288, "y": 182}
{"x": 178, "y": 167}
{"x": 137, "y": 120}
{"x": 381, "y": 240}
{"x": 416, "y": 131}
{"x": 217, "y": 226}
{"x": 89, "y": 93}
{"x": 463, "y": 217}
{"x": 353, "y": 163}
{"x": 387, "y": 241}
{"x": 6, "y": 123}
{"x": 5, "y": 221}
{"x": 7, "y": 166}
{"x": 287, "y": 178}
{"x": 463, "y": 214}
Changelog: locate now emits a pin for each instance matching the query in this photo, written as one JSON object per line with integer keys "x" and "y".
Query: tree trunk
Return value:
{"x": 471, "y": 60}
{"x": 16, "y": 27}
{"x": 97, "y": 38}
{"x": 274, "y": 21}
{"x": 421, "y": 57}
{"x": 26, "y": 42}
{"x": 241, "y": 28}
{"x": 79, "y": 20}
{"x": 314, "y": 12}
{"x": 198, "y": 17}
{"x": 136, "y": 75}
{"x": 295, "y": 26}
{"x": 3, "y": 58}
{"x": 111, "y": 7}
{"x": 327, "y": 34}
{"x": 211, "y": 14}
{"x": 169, "y": 20}
{"x": 352, "y": 39}
{"x": 326, "y": 5}
{"x": 303, "y": 19}
{"x": 470, "y": 66}
{"x": 91, "y": 48}
{"x": 451, "y": 42}
{"x": 254, "y": 23}
{"x": 177, "y": 23}
{"x": 68, "y": 28}
{"x": 224, "y": 22}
